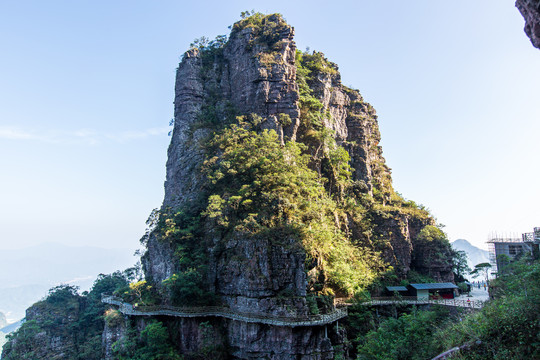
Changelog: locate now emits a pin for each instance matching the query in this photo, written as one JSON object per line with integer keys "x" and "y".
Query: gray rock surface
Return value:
{"x": 111, "y": 335}
{"x": 530, "y": 9}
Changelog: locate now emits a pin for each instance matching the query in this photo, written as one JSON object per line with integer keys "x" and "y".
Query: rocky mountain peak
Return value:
{"x": 277, "y": 195}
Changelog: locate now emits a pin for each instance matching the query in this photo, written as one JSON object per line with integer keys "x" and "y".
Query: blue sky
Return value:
{"x": 86, "y": 91}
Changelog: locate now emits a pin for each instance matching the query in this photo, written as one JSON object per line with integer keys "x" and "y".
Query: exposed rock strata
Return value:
{"x": 530, "y": 9}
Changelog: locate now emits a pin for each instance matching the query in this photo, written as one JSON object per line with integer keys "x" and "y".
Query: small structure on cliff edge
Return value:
{"x": 424, "y": 291}
{"x": 400, "y": 290}
{"x": 504, "y": 249}
{"x": 433, "y": 290}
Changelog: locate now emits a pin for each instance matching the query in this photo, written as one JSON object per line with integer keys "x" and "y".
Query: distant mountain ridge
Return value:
{"x": 26, "y": 274}
{"x": 3, "y": 321}
{"x": 475, "y": 254}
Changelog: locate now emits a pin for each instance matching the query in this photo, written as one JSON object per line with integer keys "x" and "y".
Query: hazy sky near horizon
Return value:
{"x": 87, "y": 88}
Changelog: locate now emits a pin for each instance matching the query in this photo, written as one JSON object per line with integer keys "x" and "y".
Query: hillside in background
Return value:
{"x": 26, "y": 274}
{"x": 3, "y": 322}
{"x": 475, "y": 254}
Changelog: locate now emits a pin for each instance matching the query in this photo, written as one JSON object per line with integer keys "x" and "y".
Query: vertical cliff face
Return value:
{"x": 530, "y": 9}
{"x": 243, "y": 77}
{"x": 354, "y": 124}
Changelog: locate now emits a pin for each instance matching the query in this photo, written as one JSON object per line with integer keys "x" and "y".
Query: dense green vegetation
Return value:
{"x": 76, "y": 319}
{"x": 508, "y": 327}
{"x": 152, "y": 343}
{"x": 311, "y": 108}
{"x": 402, "y": 338}
{"x": 184, "y": 230}
{"x": 266, "y": 29}
{"x": 258, "y": 187}
{"x": 432, "y": 248}
{"x": 262, "y": 187}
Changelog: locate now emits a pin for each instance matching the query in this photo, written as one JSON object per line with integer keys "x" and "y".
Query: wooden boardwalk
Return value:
{"x": 218, "y": 311}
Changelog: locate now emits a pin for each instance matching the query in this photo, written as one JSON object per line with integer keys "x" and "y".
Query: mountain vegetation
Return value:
{"x": 65, "y": 324}
{"x": 507, "y": 327}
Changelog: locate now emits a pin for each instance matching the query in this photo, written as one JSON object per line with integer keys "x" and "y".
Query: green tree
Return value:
{"x": 262, "y": 187}
{"x": 431, "y": 249}
{"x": 503, "y": 261}
{"x": 507, "y": 327}
{"x": 460, "y": 266}
{"x": 405, "y": 338}
{"x": 481, "y": 269}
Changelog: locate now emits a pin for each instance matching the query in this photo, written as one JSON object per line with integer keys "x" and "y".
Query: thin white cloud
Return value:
{"x": 88, "y": 136}
{"x": 137, "y": 134}
{"x": 15, "y": 134}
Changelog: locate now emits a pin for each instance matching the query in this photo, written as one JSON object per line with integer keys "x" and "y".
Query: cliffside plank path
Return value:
{"x": 412, "y": 300}
{"x": 218, "y": 311}
{"x": 311, "y": 320}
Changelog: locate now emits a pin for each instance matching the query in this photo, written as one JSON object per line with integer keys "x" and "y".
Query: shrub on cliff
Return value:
{"x": 152, "y": 343}
{"x": 509, "y": 326}
{"x": 407, "y": 337}
{"x": 257, "y": 184}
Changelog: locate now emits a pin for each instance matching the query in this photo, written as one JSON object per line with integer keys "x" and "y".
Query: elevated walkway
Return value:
{"x": 412, "y": 300}
{"x": 218, "y": 311}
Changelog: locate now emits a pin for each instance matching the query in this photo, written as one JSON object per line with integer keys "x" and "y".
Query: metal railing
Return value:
{"x": 413, "y": 300}
{"x": 219, "y": 311}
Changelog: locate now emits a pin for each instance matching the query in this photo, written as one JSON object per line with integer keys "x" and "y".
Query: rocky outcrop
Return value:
{"x": 246, "y": 77}
{"x": 255, "y": 275}
{"x": 354, "y": 123}
{"x": 530, "y": 9}
{"x": 184, "y": 156}
{"x": 48, "y": 332}
{"x": 64, "y": 325}
{"x": 253, "y": 341}
{"x": 260, "y": 77}
{"x": 254, "y": 75}
{"x": 238, "y": 79}
{"x": 113, "y": 333}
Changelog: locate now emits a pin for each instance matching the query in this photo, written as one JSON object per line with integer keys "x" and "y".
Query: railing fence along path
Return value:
{"x": 218, "y": 311}
{"x": 413, "y": 300}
